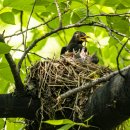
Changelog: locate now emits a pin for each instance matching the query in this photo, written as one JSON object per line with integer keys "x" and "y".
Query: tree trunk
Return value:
{"x": 110, "y": 104}
{"x": 14, "y": 106}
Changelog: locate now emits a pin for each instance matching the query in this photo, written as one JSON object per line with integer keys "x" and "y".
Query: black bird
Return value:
{"x": 75, "y": 43}
{"x": 94, "y": 58}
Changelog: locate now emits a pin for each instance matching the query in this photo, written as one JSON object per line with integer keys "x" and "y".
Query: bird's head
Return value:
{"x": 80, "y": 36}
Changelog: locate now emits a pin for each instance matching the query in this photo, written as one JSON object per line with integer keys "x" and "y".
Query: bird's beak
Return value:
{"x": 84, "y": 38}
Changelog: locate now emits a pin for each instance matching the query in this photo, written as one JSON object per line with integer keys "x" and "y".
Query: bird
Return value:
{"x": 75, "y": 43}
{"x": 80, "y": 51}
{"x": 94, "y": 58}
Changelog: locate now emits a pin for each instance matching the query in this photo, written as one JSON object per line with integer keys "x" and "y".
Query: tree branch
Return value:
{"x": 14, "y": 106}
{"x": 18, "y": 82}
{"x": 28, "y": 25}
{"x": 97, "y": 15}
{"x": 59, "y": 13}
{"x": 117, "y": 59}
{"x": 115, "y": 15}
{"x": 21, "y": 26}
{"x": 89, "y": 84}
{"x": 110, "y": 104}
{"x": 31, "y": 53}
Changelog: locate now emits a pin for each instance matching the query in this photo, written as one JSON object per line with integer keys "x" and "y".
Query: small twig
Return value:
{"x": 104, "y": 14}
{"x": 29, "y": 59}
{"x": 21, "y": 29}
{"x": 26, "y": 34}
{"x": 87, "y": 9}
{"x": 59, "y": 13}
{"x": 126, "y": 49}
{"x": 21, "y": 26}
{"x": 31, "y": 53}
{"x": 18, "y": 82}
{"x": 117, "y": 58}
{"x": 19, "y": 66}
{"x": 29, "y": 22}
{"x": 89, "y": 84}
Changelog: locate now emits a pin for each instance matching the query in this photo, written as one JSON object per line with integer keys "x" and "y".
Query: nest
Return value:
{"x": 50, "y": 78}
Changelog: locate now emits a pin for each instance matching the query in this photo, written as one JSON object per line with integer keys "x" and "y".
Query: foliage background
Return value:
{"x": 26, "y": 21}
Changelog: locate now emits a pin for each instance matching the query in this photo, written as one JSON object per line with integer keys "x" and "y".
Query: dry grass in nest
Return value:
{"x": 48, "y": 79}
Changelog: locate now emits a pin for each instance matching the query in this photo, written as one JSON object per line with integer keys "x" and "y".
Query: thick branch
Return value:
{"x": 14, "y": 106}
{"x": 110, "y": 104}
{"x": 18, "y": 82}
{"x": 89, "y": 84}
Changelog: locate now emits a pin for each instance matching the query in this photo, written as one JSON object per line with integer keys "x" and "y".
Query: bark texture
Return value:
{"x": 110, "y": 104}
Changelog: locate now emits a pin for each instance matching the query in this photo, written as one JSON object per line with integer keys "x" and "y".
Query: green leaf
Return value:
{"x": 52, "y": 8}
{"x": 4, "y": 48}
{"x": 78, "y": 14}
{"x": 66, "y": 127}
{"x": 94, "y": 9}
{"x": 74, "y": 18}
{"x": 66, "y": 16}
{"x": 120, "y": 24}
{"x": 76, "y": 4}
{"x": 13, "y": 3}
{"x": 112, "y": 42}
{"x": 110, "y": 3}
{"x": 14, "y": 125}
{"x": 121, "y": 6}
{"x": 8, "y": 18}
{"x": 59, "y": 122}
{"x": 5, "y": 72}
{"x": 1, "y": 123}
{"x": 5, "y": 85}
{"x": 25, "y": 5}
{"x": 126, "y": 3}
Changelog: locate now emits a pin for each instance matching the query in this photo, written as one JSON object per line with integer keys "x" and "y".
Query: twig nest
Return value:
{"x": 48, "y": 79}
